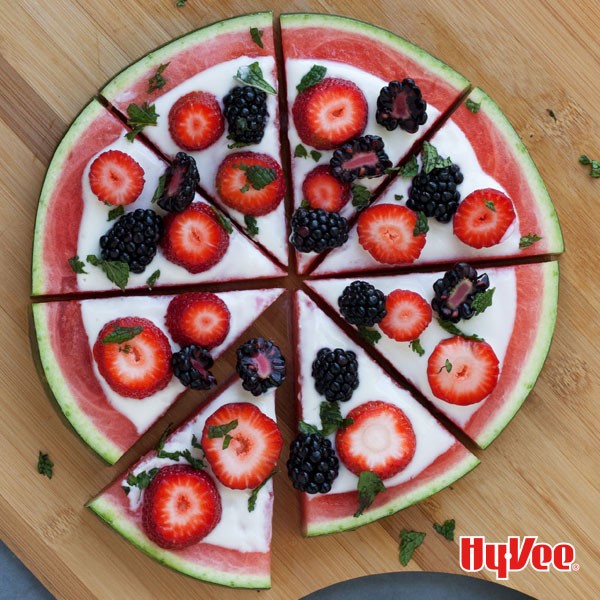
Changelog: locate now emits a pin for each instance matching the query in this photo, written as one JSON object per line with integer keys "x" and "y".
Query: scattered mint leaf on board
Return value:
{"x": 472, "y": 105}
{"x": 300, "y": 151}
{"x": 551, "y": 114}
{"x": 369, "y": 335}
{"x": 254, "y": 494}
{"x": 482, "y": 300}
{"x": 314, "y": 76}
{"x": 251, "y": 225}
{"x": 252, "y": 75}
{"x": 225, "y": 222}
{"x": 45, "y": 465}
{"x": 315, "y": 155}
{"x": 528, "y": 240}
{"x": 157, "y": 80}
{"x": 432, "y": 160}
{"x": 304, "y": 427}
{"x": 115, "y": 270}
{"x": 258, "y": 177}
{"x": 219, "y": 431}
{"x": 422, "y": 225}
{"x": 446, "y": 529}
{"x": 409, "y": 542}
{"x": 415, "y": 346}
{"x": 256, "y": 35}
{"x": 452, "y": 329}
{"x": 369, "y": 485}
{"x": 594, "y": 165}
{"x": 115, "y": 213}
{"x": 142, "y": 479}
{"x": 181, "y": 3}
{"x": 139, "y": 118}
{"x": 331, "y": 418}
{"x": 77, "y": 265}
{"x": 153, "y": 278}
{"x": 119, "y": 335}
{"x": 361, "y": 196}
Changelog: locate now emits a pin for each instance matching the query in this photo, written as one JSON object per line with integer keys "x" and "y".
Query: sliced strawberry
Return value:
{"x": 407, "y": 315}
{"x": 116, "y": 178}
{"x": 194, "y": 238}
{"x": 330, "y": 113}
{"x": 181, "y": 506}
{"x": 462, "y": 371}
{"x": 251, "y": 183}
{"x": 252, "y": 448}
{"x": 386, "y": 232}
{"x": 136, "y": 367}
{"x": 199, "y": 318}
{"x": 196, "y": 121}
{"x": 483, "y": 218}
{"x": 381, "y": 440}
{"x": 322, "y": 190}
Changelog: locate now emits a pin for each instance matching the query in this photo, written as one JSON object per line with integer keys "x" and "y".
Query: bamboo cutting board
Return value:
{"x": 540, "y": 477}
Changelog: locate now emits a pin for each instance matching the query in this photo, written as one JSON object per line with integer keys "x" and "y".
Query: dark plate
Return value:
{"x": 422, "y": 586}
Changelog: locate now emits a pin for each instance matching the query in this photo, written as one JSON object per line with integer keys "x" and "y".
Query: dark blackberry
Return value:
{"x": 361, "y": 157}
{"x": 435, "y": 193}
{"x": 336, "y": 374}
{"x": 191, "y": 366}
{"x": 261, "y": 365}
{"x": 400, "y": 104}
{"x": 314, "y": 230}
{"x": 455, "y": 291}
{"x": 362, "y": 304}
{"x": 246, "y": 112}
{"x": 181, "y": 179}
{"x": 133, "y": 239}
{"x": 312, "y": 465}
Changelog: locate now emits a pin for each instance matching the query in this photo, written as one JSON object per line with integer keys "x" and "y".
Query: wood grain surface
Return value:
{"x": 540, "y": 477}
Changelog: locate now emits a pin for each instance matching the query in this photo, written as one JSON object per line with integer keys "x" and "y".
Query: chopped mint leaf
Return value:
{"x": 409, "y": 542}
{"x": 594, "y": 165}
{"x": 251, "y": 225}
{"x": 45, "y": 465}
{"x": 122, "y": 334}
{"x": 472, "y": 105}
{"x": 195, "y": 442}
{"x": 115, "y": 213}
{"x": 126, "y": 349}
{"x": 447, "y": 529}
{"x": 316, "y": 156}
{"x": 369, "y": 335}
{"x": 256, "y": 35}
{"x": 410, "y": 169}
{"x": 237, "y": 145}
{"x": 314, "y": 76}
{"x": 157, "y": 80}
{"x": 77, "y": 265}
{"x": 447, "y": 366}
{"x": 181, "y": 3}
{"x": 415, "y": 346}
{"x": 142, "y": 479}
{"x": 252, "y": 75}
{"x": 452, "y": 329}
{"x": 361, "y": 196}
{"x": 585, "y": 160}
{"x": 331, "y": 418}
{"x": 257, "y": 176}
{"x": 490, "y": 205}
{"x": 219, "y": 431}
{"x": 369, "y": 485}
{"x": 307, "y": 428}
{"x": 196, "y": 463}
{"x": 528, "y": 240}
{"x": 163, "y": 437}
{"x": 422, "y": 225}
{"x": 115, "y": 270}
{"x": 304, "y": 204}
{"x": 482, "y": 300}
{"x": 398, "y": 197}
{"x": 153, "y": 278}
{"x": 551, "y": 114}
{"x": 432, "y": 160}
{"x": 140, "y": 117}
{"x": 160, "y": 188}
{"x": 226, "y": 441}
{"x": 126, "y": 489}
{"x": 300, "y": 151}
{"x": 245, "y": 188}
{"x": 225, "y": 222}
{"x": 254, "y": 494}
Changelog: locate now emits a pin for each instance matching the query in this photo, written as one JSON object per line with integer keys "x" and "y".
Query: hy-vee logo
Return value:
{"x": 514, "y": 555}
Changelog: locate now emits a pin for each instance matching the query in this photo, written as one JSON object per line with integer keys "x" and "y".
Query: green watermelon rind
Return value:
{"x": 161, "y": 55}
{"x": 550, "y": 222}
{"x": 460, "y": 469}
{"x": 534, "y": 363}
{"x": 381, "y": 35}
{"x": 79, "y": 126}
{"x": 107, "y": 511}
{"x": 61, "y": 391}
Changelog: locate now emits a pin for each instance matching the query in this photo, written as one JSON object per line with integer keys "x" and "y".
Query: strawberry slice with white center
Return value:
{"x": 462, "y": 371}
{"x": 241, "y": 444}
{"x": 134, "y": 357}
{"x": 407, "y": 315}
{"x": 387, "y": 233}
{"x": 381, "y": 440}
{"x": 321, "y": 189}
{"x": 116, "y": 178}
{"x": 181, "y": 506}
{"x": 483, "y": 218}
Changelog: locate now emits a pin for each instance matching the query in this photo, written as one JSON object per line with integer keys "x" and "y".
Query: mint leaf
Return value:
{"x": 314, "y": 76}
{"x": 447, "y": 366}
{"x": 452, "y": 329}
{"x": 115, "y": 213}
{"x": 447, "y": 529}
{"x": 122, "y": 334}
{"x": 361, "y": 196}
{"x": 139, "y": 118}
{"x": 223, "y": 220}
{"x": 163, "y": 437}
{"x": 251, "y": 225}
{"x": 369, "y": 335}
{"x": 157, "y": 80}
{"x": 77, "y": 265}
{"x": 369, "y": 485}
{"x": 316, "y": 156}
{"x": 256, "y": 35}
{"x": 219, "y": 431}
{"x": 331, "y": 418}
{"x": 258, "y": 177}
{"x": 160, "y": 188}
{"x": 44, "y": 465}
{"x": 490, "y": 205}
{"x": 304, "y": 204}
{"x": 115, "y": 270}
{"x": 142, "y": 479}
{"x": 307, "y": 428}
{"x": 409, "y": 542}
{"x": 585, "y": 160}
{"x": 252, "y": 75}
{"x": 236, "y": 144}
{"x": 180, "y": 3}
{"x": 551, "y": 114}
{"x": 254, "y": 494}
{"x": 594, "y": 165}
{"x": 528, "y": 240}
{"x": 398, "y": 197}
{"x": 422, "y": 225}
{"x": 472, "y": 105}
{"x": 415, "y": 346}
{"x": 196, "y": 463}
{"x": 432, "y": 160}
{"x": 195, "y": 442}
{"x": 153, "y": 278}
{"x": 300, "y": 151}
{"x": 482, "y": 300}
{"x": 410, "y": 169}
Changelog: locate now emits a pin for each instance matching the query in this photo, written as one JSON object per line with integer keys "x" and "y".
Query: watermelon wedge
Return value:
{"x": 66, "y": 332}
{"x": 439, "y": 459}
{"x": 518, "y": 325}
{"x": 346, "y": 47}
{"x": 237, "y": 553}
{"x": 207, "y": 60}
{"x": 490, "y": 154}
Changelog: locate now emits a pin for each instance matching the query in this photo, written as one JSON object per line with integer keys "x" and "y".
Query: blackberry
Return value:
{"x": 336, "y": 374}
{"x": 435, "y": 193}
{"x": 361, "y": 157}
{"x": 191, "y": 366}
{"x": 455, "y": 291}
{"x": 181, "y": 179}
{"x": 261, "y": 365}
{"x": 362, "y": 304}
{"x": 246, "y": 112}
{"x": 133, "y": 239}
{"x": 312, "y": 465}
{"x": 400, "y": 104}
{"x": 314, "y": 230}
